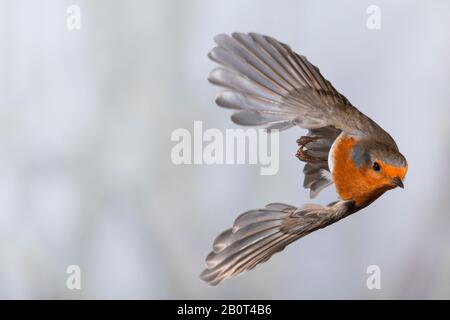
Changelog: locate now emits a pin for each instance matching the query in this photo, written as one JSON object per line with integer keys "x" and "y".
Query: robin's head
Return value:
{"x": 380, "y": 164}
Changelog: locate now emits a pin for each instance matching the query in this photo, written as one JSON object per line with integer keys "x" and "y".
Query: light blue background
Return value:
{"x": 85, "y": 170}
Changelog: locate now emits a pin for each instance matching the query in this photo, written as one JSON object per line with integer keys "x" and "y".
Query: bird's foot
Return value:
{"x": 302, "y": 152}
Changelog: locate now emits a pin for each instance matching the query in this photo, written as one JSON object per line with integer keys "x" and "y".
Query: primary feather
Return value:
{"x": 271, "y": 85}
{"x": 258, "y": 234}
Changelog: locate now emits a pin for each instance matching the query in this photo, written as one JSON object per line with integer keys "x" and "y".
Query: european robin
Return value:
{"x": 270, "y": 85}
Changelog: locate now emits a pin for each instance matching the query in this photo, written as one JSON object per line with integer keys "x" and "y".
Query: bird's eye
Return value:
{"x": 376, "y": 166}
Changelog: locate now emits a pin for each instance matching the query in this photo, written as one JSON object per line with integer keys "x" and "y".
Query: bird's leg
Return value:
{"x": 304, "y": 140}
{"x": 302, "y": 152}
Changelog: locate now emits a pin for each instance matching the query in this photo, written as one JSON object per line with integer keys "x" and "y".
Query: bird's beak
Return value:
{"x": 398, "y": 182}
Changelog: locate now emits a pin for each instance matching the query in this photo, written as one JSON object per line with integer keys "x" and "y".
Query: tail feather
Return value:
{"x": 317, "y": 174}
{"x": 258, "y": 234}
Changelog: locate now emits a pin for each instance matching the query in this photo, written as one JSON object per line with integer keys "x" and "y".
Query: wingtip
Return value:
{"x": 219, "y": 37}
{"x": 208, "y": 277}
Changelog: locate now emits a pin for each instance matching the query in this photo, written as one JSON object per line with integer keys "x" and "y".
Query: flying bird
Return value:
{"x": 268, "y": 84}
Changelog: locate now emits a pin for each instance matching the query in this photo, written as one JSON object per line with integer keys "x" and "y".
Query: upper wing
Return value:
{"x": 258, "y": 234}
{"x": 271, "y": 85}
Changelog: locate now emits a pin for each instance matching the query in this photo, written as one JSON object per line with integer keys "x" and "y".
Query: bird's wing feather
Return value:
{"x": 258, "y": 234}
{"x": 270, "y": 85}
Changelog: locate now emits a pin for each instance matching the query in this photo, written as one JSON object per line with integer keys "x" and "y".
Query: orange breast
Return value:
{"x": 350, "y": 180}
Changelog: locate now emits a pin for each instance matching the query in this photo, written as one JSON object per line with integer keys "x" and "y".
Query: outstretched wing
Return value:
{"x": 270, "y": 85}
{"x": 258, "y": 234}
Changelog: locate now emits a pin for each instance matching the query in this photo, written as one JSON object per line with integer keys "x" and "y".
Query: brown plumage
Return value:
{"x": 270, "y": 85}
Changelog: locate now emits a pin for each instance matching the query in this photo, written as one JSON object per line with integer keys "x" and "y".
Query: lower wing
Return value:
{"x": 258, "y": 234}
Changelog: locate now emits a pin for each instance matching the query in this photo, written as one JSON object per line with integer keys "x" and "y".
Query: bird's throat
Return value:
{"x": 350, "y": 180}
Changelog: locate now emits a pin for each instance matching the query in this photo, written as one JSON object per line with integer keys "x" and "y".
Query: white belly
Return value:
{"x": 331, "y": 152}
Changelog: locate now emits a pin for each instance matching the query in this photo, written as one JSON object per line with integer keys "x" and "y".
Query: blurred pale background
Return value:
{"x": 85, "y": 170}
